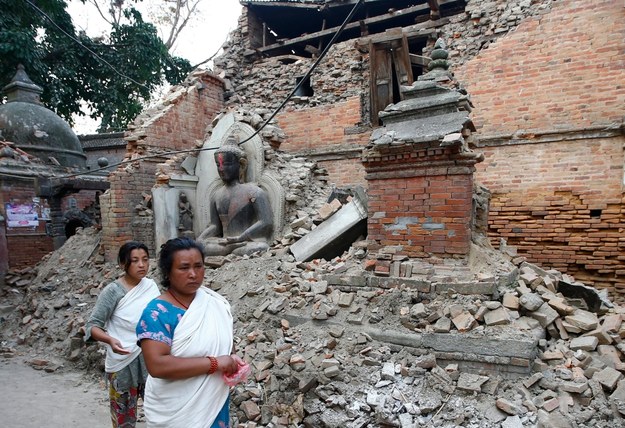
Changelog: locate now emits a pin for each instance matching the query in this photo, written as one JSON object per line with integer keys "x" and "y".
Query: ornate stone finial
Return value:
{"x": 438, "y": 66}
{"x": 22, "y": 88}
{"x": 439, "y": 56}
{"x": 231, "y": 145}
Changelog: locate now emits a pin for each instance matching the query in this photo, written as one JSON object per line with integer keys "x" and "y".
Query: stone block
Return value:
{"x": 464, "y": 322}
{"x": 560, "y": 306}
{"x": 512, "y": 422}
{"x": 319, "y": 287}
{"x": 510, "y": 301}
{"x": 471, "y": 382}
{"x": 611, "y": 356}
{"x": 347, "y": 280}
{"x": 388, "y": 371}
{"x": 396, "y": 282}
{"x": 509, "y": 407}
{"x": 617, "y": 398}
{"x": 583, "y": 320}
{"x": 481, "y": 345}
{"x": 603, "y": 337}
{"x": 585, "y": 343}
{"x": 499, "y": 316}
{"x": 466, "y": 288}
{"x": 392, "y": 336}
{"x": 251, "y": 410}
{"x": 531, "y": 301}
{"x": 551, "y": 404}
{"x": 574, "y": 387}
{"x": 545, "y": 315}
{"x": 608, "y": 378}
{"x": 442, "y": 325}
{"x": 612, "y": 323}
{"x": 332, "y": 232}
{"x": 561, "y": 330}
{"x": 570, "y": 328}
{"x": 346, "y": 299}
{"x": 532, "y": 379}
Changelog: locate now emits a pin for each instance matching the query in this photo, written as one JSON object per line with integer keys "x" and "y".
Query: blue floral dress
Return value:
{"x": 158, "y": 322}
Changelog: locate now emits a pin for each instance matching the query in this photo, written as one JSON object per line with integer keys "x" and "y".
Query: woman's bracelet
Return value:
{"x": 214, "y": 365}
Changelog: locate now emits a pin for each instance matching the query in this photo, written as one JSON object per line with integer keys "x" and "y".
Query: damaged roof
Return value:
{"x": 292, "y": 25}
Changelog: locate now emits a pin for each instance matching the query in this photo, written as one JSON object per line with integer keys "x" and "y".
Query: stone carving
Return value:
{"x": 185, "y": 215}
{"x": 241, "y": 218}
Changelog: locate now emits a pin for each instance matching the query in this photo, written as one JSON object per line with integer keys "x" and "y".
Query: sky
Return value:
{"x": 198, "y": 41}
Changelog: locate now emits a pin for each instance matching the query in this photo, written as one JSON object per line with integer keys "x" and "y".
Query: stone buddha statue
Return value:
{"x": 241, "y": 219}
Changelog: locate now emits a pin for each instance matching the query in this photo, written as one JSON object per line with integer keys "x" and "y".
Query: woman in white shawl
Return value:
{"x": 187, "y": 340}
{"x": 113, "y": 322}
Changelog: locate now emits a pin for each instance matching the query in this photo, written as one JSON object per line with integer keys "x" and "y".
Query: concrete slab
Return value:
{"x": 333, "y": 232}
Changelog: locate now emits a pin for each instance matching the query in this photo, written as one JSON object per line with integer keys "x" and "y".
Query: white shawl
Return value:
{"x": 204, "y": 330}
{"x": 123, "y": 322}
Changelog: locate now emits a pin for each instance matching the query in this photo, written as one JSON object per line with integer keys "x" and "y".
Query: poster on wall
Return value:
{"x": 22, "y": 215}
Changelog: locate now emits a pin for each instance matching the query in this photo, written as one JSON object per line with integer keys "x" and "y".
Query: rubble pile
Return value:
{"x": 331, "y": 347}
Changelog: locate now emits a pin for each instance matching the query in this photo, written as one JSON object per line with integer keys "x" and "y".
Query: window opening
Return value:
{"x": 595, "y": 213}
{"x": 305, "y": 90}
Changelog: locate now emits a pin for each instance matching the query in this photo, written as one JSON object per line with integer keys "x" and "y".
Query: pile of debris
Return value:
{"x": 332, "y": 345}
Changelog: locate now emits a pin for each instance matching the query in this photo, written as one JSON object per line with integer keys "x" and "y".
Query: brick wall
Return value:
{"x": 27, "y": 249}
{"x": 84, "y": 199}
{"x": 323, "y": 133}
{"x": 319, "y": 127}
{"x": 559, "y": 211}
{"x": 564, "y": 69}
{"x": 345, "y": 172}
{"x": 422, "y": 215}
{"x": 549, "y": 103}
{"x": 26, "y": 246}
{"x": 175, "y": 126}
{"x": 420, "y": 199}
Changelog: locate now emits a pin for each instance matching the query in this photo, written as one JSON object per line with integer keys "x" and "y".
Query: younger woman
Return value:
{"x": 113, "y": 322}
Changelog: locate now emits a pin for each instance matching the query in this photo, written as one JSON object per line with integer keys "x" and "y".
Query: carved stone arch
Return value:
{"x": 270, "y": 184}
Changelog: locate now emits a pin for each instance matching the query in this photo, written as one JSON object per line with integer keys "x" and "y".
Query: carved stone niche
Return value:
{"x": 209, "y": 181}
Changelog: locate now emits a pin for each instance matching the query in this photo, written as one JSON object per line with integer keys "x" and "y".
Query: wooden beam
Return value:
{"x": 419, "y": 60}
{"x": 352, "y": 25}
{"x": 434, "y": 6}
{"x": 253, "y": 4}
{"x": 435, "y": 11}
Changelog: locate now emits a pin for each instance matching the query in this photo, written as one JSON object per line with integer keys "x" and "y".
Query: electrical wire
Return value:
{"x": 265, "y": 123}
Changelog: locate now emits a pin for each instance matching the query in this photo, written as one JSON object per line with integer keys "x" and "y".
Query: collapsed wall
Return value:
{"x": 174, "y": 124}
{"x": 526, "y": 66}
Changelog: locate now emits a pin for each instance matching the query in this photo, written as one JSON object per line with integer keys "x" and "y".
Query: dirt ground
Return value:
{"x": 63, "y": 399}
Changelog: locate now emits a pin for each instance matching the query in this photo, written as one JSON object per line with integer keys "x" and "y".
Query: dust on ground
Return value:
{"x": 65, "y": 398}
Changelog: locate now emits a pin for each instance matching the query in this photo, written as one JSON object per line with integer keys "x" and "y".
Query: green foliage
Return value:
{"x": 130, "y": 63}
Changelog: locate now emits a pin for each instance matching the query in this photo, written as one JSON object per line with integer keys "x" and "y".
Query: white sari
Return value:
{"x": 204, "y": 330}
{"x": 123, "y": 322}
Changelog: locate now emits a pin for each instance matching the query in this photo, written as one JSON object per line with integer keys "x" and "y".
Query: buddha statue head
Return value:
{"x": 231, "y": 160}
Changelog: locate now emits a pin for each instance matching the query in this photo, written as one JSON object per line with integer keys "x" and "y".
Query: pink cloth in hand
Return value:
{"x": 239, "y": 376}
